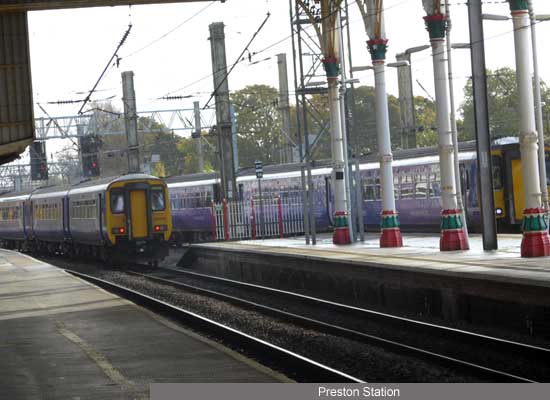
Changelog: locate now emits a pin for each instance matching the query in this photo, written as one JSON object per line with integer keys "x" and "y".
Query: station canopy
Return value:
{"x": 32, "y": 5}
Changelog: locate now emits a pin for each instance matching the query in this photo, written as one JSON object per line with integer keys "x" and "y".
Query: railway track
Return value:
{"x": 494, "y": 368}
{"x": 294, "y": 365}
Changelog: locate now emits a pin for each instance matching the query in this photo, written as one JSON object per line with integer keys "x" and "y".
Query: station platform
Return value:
{"x": 474, "y": 286}
{"x": 63, "y": 338}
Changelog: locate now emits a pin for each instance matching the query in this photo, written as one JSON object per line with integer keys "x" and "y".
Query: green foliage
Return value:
{"x": 188, "y": 149}
{"x": 258, "y": 125}
{"x": 426, "y": 122}
{"x": 363, "y": 132}
{"x": 503, "y": 103}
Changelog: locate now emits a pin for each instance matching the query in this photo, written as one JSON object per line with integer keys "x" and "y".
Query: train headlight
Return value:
{"x": 118, "y": 231}
{"x": 498, "y": 211}
{"x": 160, "y": 228}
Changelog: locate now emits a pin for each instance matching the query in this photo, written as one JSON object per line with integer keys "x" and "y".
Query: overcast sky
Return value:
{"x": 69, "y": 48}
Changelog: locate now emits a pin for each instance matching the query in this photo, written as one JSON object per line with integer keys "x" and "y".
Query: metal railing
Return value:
{"x": 265, "y": 218}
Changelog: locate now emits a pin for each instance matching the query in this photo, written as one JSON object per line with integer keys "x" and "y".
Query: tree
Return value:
{"x": 187, "y": 147}
{"x": 426, "y": 122}
{"x": 503, "y": 104}
{"x": 153, "y": 138}
{"x": 259, "y": 134}
{"x": 363, "y": 132}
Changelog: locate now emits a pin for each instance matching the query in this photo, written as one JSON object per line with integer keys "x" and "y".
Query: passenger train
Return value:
{"x": 416, "y": 181}
{"x": 129, "y": 216}
{"x": 121, "y": 219}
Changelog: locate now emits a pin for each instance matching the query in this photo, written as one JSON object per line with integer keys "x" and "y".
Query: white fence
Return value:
{"x": 268, "y": 218}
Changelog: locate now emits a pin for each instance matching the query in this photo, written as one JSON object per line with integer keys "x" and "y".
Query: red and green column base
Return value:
{"x": 391, "y": 231}
{"x": 518, "y": 5}
{"x": 377, "y": 49}
{"x": 341, "y": 230}
{"x": 332, "y": 68}
{"x": 452, "y": 231}
{"x": 535, "y": 242}
{"x": 436, "y": 25}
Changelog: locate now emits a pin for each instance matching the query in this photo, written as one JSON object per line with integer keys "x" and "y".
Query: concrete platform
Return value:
{"x": 62, "y": 338}
{"x": 496, "y": 288}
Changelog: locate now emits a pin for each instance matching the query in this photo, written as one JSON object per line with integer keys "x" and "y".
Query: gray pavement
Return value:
{"x": 62, "y": 338}
{"x": 419, "y": 252}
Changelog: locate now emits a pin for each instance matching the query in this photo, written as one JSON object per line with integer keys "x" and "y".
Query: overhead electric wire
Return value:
{"x": 238, "y": 59}
{"x": 170, "y": 31}
{"x": 124, "y": 37}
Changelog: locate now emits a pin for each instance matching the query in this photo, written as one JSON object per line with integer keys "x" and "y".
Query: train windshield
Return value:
{"x": 117, "y": 202}
{"x": 497, "y": 173}
{"x": 157, "y": 199}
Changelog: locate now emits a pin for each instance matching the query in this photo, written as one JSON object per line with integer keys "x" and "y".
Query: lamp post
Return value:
{"x": 452, "y": 229}
{"x": 535, "y": 242}
{"x": 406, "y": 97}
{"x": 372, "y": 12}
{"x": 483, "y": 137}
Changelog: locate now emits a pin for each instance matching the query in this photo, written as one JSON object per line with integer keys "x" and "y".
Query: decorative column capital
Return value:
{"x": 518, "y": 5}
{"x": 332, "y": 67}
{"x": 377, "y": 49}
{"x": 436, "y": 25}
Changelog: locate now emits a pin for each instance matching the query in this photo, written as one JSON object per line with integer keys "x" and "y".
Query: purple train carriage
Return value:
{"x": 416, "y": 182}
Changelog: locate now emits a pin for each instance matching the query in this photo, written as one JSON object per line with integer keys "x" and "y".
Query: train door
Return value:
{"x": 328, "y": 198}
{"x": 66, "y": 217}
{"x": 517, "y": 183}
{"x": 217, "y": 192}
{"x": 138, "y": 213}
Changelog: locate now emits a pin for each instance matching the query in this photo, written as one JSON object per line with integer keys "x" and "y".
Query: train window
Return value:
{"x": 396, "y": 185}
{"x": 421, "y": 186}
{"x": 435, "y": 181}
{"x": 371, "y": 188}
{"x": 497, "y": 172}
{"x": 117, "y": 202}
{"x": 157, "y": 199}
{"x": 407, "y": 185}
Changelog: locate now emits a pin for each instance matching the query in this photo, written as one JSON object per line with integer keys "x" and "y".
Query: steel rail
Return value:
{"x": 479, "y": 370}
{"x": 299, "y": 367}
{"x": 526, "y": 350}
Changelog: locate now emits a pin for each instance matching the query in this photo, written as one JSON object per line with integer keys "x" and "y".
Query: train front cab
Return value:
{"x": 510, "y": 197}
{"x": 138, "y": 219}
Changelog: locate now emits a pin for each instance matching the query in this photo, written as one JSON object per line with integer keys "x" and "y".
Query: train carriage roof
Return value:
{"x": 82, "y": 187}
{"x": 15, "y": 196}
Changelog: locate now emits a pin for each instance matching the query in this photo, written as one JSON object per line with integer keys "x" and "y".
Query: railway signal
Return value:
{"x": 89, "y": 148}
{"x": 39, "y": 161}
{"x": 258, "y": 166}
{"x": 259, "y": 169}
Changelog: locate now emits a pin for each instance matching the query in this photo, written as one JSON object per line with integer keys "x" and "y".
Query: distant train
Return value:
{"x": 123, "y": 219}
{"x": 416, "y": 181}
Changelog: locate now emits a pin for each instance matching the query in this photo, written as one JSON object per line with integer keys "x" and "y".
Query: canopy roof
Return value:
{"x": 30, "y": 5}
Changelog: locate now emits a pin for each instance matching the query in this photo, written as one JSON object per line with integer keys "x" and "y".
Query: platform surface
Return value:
{"x": 63, "y": 338}
{"x": 419, "y": 252}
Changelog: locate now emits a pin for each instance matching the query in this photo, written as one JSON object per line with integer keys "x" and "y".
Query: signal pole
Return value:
{"x": 223, "y": 113}
{"x": 130, "y": 121}
{"x": 535, "y": 242}
{"x": 287, "y": 153}
{"x": 198, "y": 134}
{"x": 452, "y": 230}
{"x": 406, "y": 102}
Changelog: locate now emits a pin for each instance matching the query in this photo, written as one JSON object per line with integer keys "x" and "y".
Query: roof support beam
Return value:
{"x": 35, "y": 5}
